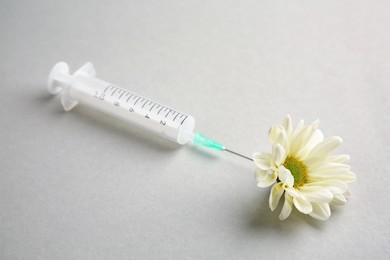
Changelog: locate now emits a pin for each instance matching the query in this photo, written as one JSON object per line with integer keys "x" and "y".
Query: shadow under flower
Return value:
{"x": 260, "y": 218}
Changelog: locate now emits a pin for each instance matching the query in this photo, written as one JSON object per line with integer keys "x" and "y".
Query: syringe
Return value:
{"x": 83, "y": 87}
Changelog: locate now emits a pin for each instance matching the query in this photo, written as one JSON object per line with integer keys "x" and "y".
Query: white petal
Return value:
{"x": 313, "y": 163}
{"x": 337, "y": 187}
{"x": 282, "y": 139}
{"x": 347, "y": 178}
{"x": 299, "y": 127}
{"x": 323, "y": 149}
{"x": 279, "y": 154}
{"x": 285, "y": 176}
{"x": 291, "y": 191}
{"x": 288, "y": 125}
{"x": 302, "y": 205}
{"x": 302, "y": 153}
{"x": 329, "y": 170}
{"x": 339, "y": 200}
{"x": 315, "y": 124}
{"x": 267, "y": 181}
{"x": 261, "y": 174}
{"x": 315, "y": 138}
{"x": 287, "y": 207}
{"x": 334, "y": 186}
{"x": 340, "y": 158}
{"x": 331, "y": 166}
{"x": 300, "y": 139}
{"x": 276, "y": 192}
{"x": 316, "y": 194}
{"x": 320, "y": 211}
{"x": 278, "y": 135}
{"x": 296, "y": 132}
{"x": 263, "y": 160}
{"x": 274, "y": 132}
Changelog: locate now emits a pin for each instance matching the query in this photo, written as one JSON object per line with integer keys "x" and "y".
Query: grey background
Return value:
{"x": 81, "y": 185}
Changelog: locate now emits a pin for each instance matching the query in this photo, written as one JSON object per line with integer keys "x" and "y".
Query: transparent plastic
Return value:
{"x": 83, "y": 87}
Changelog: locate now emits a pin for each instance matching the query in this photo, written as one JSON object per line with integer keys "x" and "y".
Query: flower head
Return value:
{"x": 301, "y": 168}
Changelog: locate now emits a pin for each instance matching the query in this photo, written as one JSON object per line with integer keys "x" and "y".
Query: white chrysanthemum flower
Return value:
{"x": 301, "y": 167}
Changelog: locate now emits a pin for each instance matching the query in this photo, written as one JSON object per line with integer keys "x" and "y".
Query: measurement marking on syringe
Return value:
{"x": 121, "y": 95}
{"x": 184, "y": 120}
{"x": 144, "y": 104}
{"x": 112, "y": 93}
{"x": 137, "y": 101}
{"x": 175, "y": 117}
{"x": 106, "y": 88}
{"x": 160, "y": 110}
{"x": 127, "y": 100}
{"x": 170, "y": 110}
{"x": 152, "y": 107}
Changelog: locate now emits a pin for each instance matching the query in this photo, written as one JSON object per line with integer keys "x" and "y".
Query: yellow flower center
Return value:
{"x": 298, "y": 170}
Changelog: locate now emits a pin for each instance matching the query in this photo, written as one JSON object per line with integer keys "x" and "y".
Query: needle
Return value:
{"x": 243, "y": 156}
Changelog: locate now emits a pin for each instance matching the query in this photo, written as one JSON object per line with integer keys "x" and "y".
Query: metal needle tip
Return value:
{"x": 243, "y": 156}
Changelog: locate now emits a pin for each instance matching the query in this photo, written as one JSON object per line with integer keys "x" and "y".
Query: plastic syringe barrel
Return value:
{"x": 83, "y": 87}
